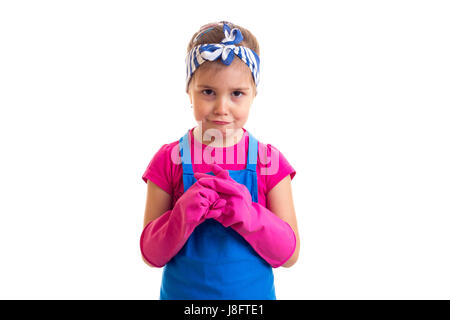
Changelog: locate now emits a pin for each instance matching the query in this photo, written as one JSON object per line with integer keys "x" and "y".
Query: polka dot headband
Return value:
{"x": 225, "y": 50}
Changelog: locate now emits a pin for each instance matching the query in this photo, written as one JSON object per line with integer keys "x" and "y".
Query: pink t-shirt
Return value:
{"x": 165, "y": 168}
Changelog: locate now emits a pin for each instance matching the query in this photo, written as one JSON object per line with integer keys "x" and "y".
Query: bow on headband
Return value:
{"x": 226, "y": 50}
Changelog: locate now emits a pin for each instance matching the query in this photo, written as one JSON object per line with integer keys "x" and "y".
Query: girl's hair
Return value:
{"x": 213, "y": 33}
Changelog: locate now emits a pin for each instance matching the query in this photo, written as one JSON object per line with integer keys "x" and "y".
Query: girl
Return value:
{"x": 219, "y": 215}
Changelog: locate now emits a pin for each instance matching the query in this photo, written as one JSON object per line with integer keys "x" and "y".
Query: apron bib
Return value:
{"x": 216, "y": 263}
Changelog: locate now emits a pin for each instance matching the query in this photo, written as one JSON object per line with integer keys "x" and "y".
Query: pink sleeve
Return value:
{"x": 276, "y": 167}
{"x": 159, "y": 171}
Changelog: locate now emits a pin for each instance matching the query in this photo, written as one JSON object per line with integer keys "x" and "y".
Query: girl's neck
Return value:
{"x": 228, "y": 141}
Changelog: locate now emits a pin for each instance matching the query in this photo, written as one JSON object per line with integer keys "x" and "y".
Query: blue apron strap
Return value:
{"x": 252, "y": 157}
{"x": 185, "y": 154}
{"x": 252, "y": 152}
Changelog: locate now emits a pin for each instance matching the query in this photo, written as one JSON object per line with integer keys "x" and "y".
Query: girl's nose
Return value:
{"x": 221, "y": 106}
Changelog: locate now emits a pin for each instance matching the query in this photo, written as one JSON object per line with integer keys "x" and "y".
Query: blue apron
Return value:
{"x": 217, "y": 263}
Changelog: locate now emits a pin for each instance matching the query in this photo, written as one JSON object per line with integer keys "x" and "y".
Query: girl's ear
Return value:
{"x": 189, "y": 91}
{"x": 190, "y": 95}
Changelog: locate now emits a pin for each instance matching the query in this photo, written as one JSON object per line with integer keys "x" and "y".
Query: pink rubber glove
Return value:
{"x": 163, "y": 237}
{"x": 271, "y": 237}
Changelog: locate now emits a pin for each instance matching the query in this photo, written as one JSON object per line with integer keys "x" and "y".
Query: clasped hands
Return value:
{"x": 234, "y": 202}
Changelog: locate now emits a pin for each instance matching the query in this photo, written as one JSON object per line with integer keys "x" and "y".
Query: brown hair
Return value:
{"x": 215, "y": 35}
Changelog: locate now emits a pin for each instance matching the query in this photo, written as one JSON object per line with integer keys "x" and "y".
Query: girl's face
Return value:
{"x": 222, "y": 93}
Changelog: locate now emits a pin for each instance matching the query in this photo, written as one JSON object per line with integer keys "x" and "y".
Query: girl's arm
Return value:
{"x": 167, "y": 230}
{"x": 269, "y": 234}
{"x": 158, "y": 202}
{"x": 281, "y": 203}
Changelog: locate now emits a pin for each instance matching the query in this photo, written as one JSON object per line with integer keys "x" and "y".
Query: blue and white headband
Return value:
{"x": 226, "y": 50}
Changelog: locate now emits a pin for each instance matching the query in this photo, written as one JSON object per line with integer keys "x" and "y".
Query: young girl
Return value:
{"x": 219, "y": 215}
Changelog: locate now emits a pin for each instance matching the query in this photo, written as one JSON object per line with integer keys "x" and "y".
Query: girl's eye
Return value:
{"x": 239, "y": 92}
{"x": 207, "y": 90}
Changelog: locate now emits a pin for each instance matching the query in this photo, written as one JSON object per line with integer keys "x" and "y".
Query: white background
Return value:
{"x": 355, "y": 94}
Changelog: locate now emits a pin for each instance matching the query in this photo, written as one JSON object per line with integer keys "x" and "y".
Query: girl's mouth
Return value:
{"x": 220, "y": 122}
